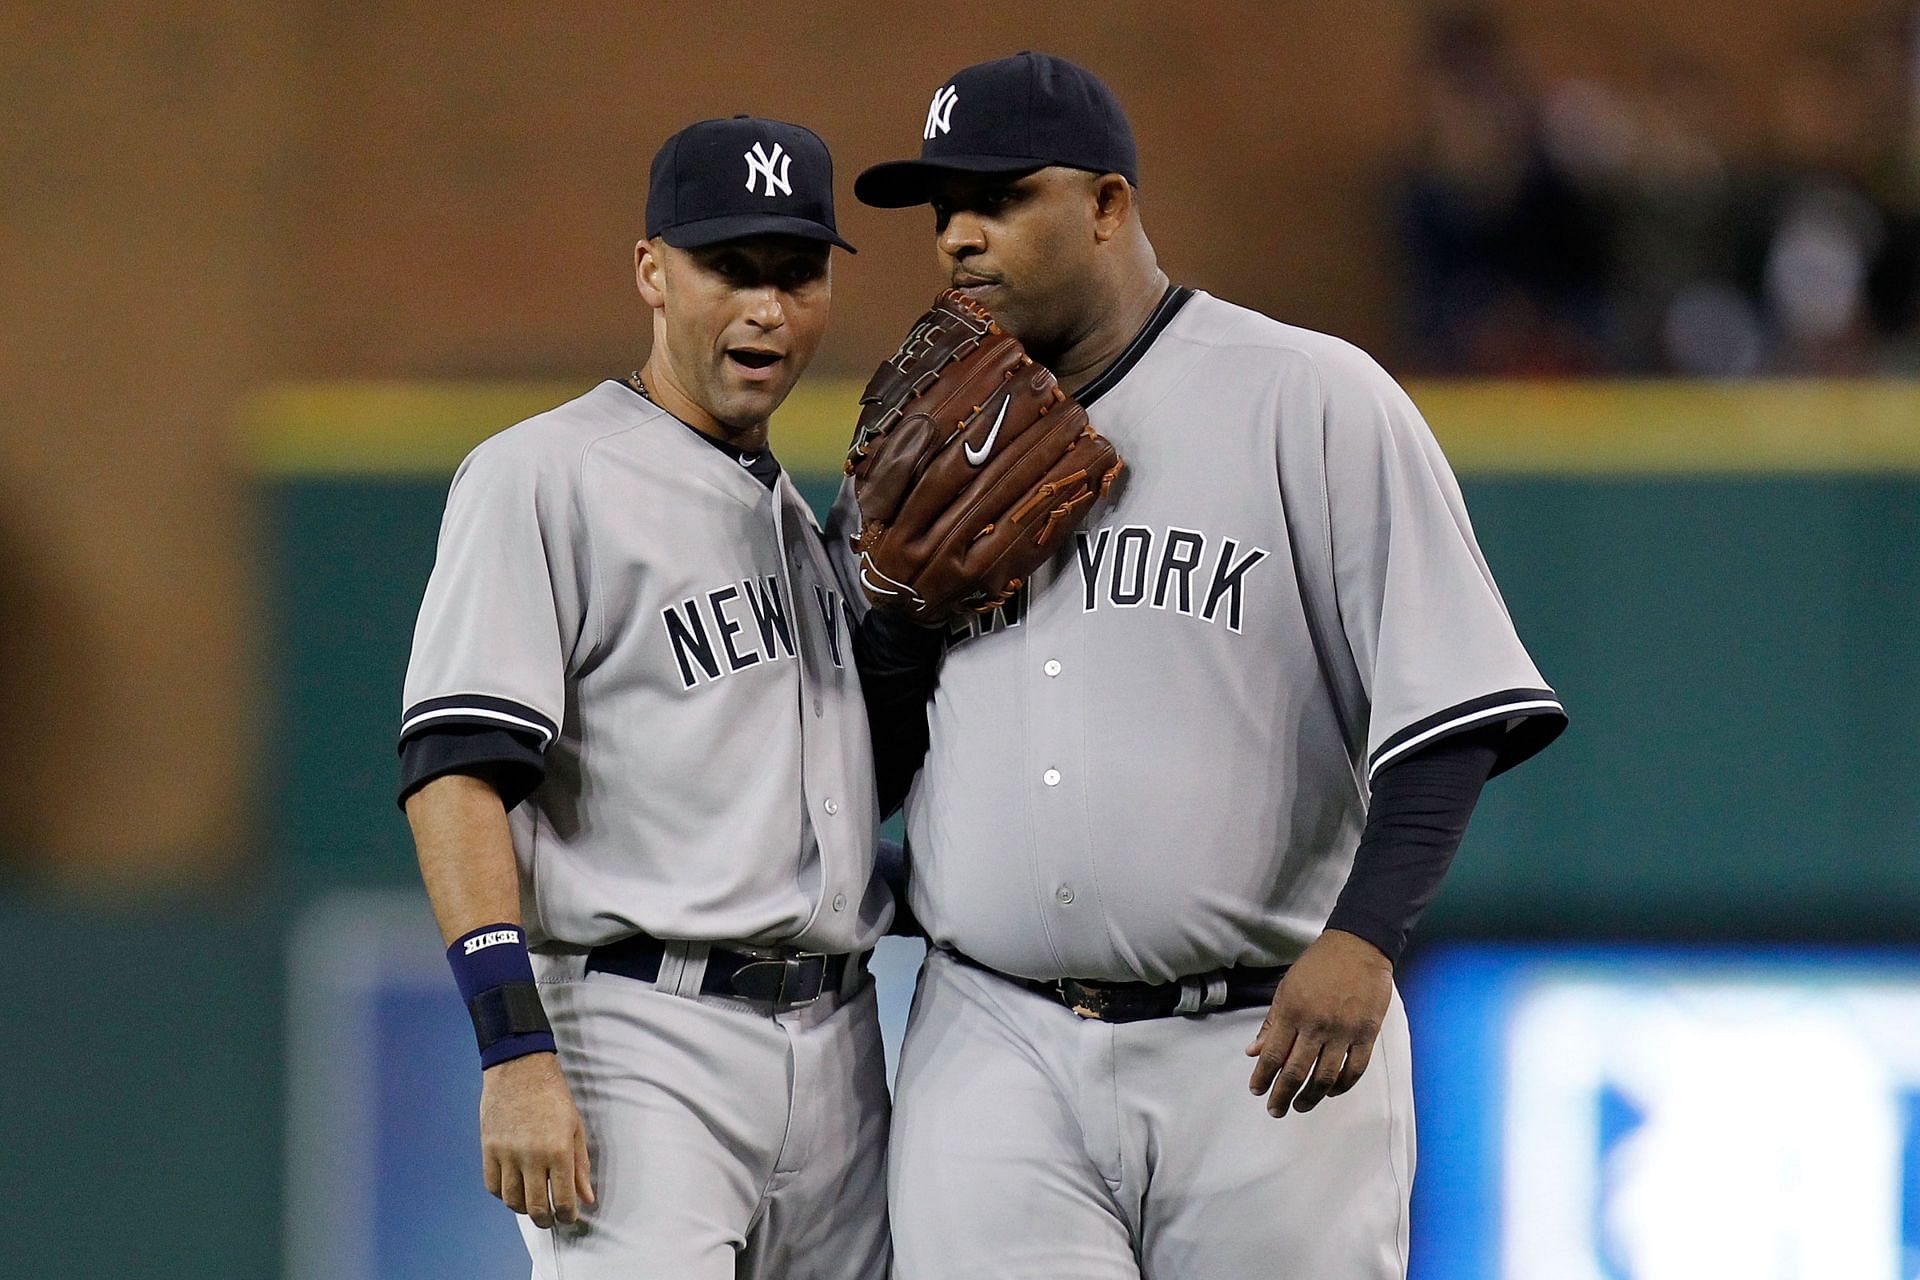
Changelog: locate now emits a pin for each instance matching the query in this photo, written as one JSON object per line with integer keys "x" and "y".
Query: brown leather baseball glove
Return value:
{"x": 971, "y": 467}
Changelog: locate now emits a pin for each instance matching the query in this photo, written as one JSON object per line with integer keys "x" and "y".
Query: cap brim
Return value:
{"x": 899, "y": 184}
{"x": 738, "y": 226}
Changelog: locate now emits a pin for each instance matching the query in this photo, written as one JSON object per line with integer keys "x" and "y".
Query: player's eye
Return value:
{"x": 732, "y": 267}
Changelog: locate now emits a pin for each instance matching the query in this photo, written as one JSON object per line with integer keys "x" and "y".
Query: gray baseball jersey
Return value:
{"x": 1154, "y": 761}
{"x": 672, "y": 632}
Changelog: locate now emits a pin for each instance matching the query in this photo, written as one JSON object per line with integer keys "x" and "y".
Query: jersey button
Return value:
{"x": 839, "y": 902}
{"x": 832, "y": 806}
{"x": 1052, "y": 667}
{"x": 1065, "y": 894}
{"x": 1051, "y": 777}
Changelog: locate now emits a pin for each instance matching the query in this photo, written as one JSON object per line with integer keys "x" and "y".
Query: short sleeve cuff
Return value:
{"x": 477, "y": 711}
{"x": 506, "y": 760}
{"x": 1534, "y": 718}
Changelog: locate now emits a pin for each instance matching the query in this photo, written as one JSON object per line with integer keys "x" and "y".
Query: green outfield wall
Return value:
{"x": 1722, "y": 582}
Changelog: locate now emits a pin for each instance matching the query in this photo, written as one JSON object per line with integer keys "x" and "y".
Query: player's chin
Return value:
{"x": 1004, "y": 306}
{"x": 752, "y": 395}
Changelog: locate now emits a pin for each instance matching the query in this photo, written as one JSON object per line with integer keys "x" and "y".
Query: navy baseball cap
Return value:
{"x": 1011, "y": 115}
{"x": 724, "y": 179}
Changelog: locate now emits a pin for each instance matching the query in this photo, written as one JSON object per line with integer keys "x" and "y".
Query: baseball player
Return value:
{"x": 1187, "y": 791}
{"x": 637, "y": 769}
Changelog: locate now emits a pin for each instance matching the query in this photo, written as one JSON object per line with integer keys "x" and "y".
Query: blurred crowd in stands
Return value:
{"x": 1580, "y": 228}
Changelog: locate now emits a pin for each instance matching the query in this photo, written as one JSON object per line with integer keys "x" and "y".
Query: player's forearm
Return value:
{"x": 899, "y": 664}
{"x": 1421, "y": 805}
{"x": 466, "y": 854}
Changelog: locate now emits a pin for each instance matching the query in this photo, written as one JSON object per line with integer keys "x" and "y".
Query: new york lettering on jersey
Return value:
{"x": 671, "y": 645}
{"x": 711, "y": 638}
{"x": 1186, "y": 571}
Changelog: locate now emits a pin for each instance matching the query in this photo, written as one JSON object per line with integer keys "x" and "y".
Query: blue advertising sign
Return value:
{"x": 1621, "y": 1113}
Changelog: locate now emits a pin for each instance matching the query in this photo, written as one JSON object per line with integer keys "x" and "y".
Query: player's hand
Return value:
{"x": 1320, "y": 1030}
{"x": 532, "y": 1144}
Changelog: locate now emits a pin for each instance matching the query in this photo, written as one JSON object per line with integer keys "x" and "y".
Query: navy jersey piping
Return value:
{"x": 1164, "y": 311}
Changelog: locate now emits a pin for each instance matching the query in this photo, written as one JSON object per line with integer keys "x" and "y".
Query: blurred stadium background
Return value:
{"x": 1653, "y": 268}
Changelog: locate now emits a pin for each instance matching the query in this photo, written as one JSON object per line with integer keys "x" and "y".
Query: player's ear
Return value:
{"x": 650, "y": 273}
{"x": 1112, "y": 205}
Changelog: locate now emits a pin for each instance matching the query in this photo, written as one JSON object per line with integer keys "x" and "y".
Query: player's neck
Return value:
{"x": 1115, "y": 325}
{"x": 665, "y": 390}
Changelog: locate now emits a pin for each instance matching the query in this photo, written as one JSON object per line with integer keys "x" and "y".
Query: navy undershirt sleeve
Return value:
{"x": 509, "y": 762}
{"x": 899, "y": 664}
{"x": 1421, "y": 804}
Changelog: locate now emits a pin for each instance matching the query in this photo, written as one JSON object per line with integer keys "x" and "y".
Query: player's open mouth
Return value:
{"x": 751, "y": 359}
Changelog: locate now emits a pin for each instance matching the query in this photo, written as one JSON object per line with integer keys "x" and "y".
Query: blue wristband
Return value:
{"x": 495, "y": 977}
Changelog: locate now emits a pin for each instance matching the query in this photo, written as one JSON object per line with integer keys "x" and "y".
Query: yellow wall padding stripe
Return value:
{"x": 1675, "y": 428}
{"x": 423, "y": 429}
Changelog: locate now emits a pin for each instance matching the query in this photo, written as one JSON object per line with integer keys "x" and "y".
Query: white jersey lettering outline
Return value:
{"x": 693, "y": 625}
{"x": 1117, "y": 564}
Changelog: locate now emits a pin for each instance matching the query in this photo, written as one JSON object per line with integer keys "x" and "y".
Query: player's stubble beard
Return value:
{"x": 1049, "y": 334}
{"x": 738, "y": 406}
{"x": 1047, "y": 308}
{"x": 744, "y": 404}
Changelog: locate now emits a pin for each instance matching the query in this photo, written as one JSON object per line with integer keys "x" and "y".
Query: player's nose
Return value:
{"x": 765, "y": 308}
{"x": 962, "y": 234}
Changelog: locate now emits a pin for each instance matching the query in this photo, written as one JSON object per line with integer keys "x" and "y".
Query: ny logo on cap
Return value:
{"x": 760, "y": 164}
{"x": 940, "y": 113}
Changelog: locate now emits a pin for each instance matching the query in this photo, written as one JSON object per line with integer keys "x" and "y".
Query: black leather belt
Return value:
{"x": 780, "y": 978}
{"x": 1241, "y": 987}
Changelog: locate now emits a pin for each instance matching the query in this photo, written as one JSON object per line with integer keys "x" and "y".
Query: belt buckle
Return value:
{"x": 1084, "y": 1000}
{"x": 773, "y": 975}
{"x": 790, "y": 967}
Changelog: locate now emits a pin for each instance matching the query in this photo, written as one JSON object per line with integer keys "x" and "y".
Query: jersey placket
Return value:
{"x": 822, "y": 810}
{"x": 1058, "y": 781}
